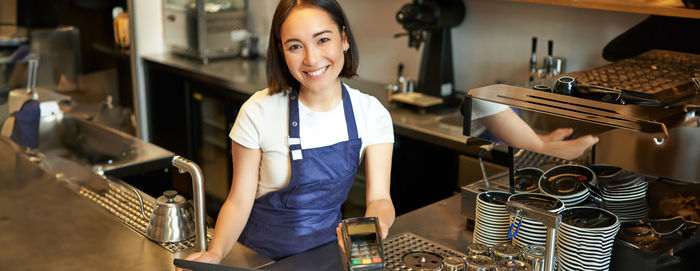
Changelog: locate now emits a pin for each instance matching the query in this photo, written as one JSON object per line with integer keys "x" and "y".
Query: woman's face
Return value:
{"x": 313, "y": 48}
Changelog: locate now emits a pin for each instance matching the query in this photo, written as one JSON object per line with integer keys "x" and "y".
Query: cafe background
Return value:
{"x": 492, "y": 45}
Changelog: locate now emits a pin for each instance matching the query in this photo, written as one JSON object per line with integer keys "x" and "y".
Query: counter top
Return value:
{"x": 47, "y": 225}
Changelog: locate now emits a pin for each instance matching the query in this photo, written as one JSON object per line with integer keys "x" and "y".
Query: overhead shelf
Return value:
{"x": 671, "y": 8}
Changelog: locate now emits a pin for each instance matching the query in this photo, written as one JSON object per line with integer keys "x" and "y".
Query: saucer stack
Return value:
{"x": 492, "y": 219}
{"x": 585, "y": 238}
{"x": 624, "y": 192}
{"x": 532, "y": 232}
{"x": 565, "y": 183}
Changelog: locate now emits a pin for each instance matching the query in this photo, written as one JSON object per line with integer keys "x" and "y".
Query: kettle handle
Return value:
{"x": 138, "y": 195}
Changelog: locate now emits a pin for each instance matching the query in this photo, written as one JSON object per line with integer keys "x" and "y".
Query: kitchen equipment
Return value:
{"x": 205, "y": 29}
{"x": 506, "y": 252}
{"x": 549, "y": 219}
{"x": 533, "y": 255}
{"x": 478, "y": 249}
{"x": 171, "y": 219}
{"x": 453, "y": 264}
{"x": 433, "y": 19}
{"x": 512, "y": 265}
{"x": 585, "y": 238}
{"x": 479, "y": 263}
{"x": 397, "y": 247}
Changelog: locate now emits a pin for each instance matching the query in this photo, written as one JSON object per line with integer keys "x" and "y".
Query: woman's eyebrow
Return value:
{"x": 315, "y": 35}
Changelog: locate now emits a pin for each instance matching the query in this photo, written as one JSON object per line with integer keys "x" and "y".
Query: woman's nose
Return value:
{"x": 311, "y": 56}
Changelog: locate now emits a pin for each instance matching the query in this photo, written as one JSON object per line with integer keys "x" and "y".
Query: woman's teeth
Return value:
{"x": 318, "y": 72}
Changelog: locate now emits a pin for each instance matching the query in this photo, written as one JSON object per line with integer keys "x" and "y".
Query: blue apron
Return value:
{"x": 305, "y": 214}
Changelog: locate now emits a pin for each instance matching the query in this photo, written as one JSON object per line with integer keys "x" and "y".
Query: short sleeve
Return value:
{"x": 245, "y": 131}
{"x": 380, "y": 126}
{"x": 482, "y": 108}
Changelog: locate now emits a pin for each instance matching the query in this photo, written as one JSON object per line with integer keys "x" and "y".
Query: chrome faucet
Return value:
{"x": 195, "y": 172}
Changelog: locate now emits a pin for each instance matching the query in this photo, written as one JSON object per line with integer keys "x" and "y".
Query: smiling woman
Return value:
{"x": 297, "y": 145}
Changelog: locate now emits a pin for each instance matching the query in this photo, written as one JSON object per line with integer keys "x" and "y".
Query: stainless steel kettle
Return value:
{"x": 172, "y": 218}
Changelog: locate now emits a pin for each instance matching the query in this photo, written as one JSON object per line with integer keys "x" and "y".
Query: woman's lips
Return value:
{"x": 316, "y": 73}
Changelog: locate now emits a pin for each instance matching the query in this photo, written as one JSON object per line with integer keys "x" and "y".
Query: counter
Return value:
{"x": 47, "y": 225}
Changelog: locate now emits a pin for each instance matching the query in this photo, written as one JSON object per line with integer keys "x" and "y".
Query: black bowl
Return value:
{"x": 538, "y": 200}
{"x": 588, "y": 217}
{"x": 527, "y": 179}
{"x": 494, "y": 197}
{"x": 565, "y": 180}
{"x": 612, "y": 177}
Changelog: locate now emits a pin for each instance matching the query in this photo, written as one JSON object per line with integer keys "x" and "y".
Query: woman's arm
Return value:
{"x": 233, "y": 215}
{"x": 510, "y": 128}
{"x": 378, "y": 173}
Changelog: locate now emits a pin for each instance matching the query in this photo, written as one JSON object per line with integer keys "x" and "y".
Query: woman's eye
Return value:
{"x": 323, "y": 40}
{"x": 293, "y": 47}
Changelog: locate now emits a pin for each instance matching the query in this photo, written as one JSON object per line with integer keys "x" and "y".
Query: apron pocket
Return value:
{"x": 317, "y": 195}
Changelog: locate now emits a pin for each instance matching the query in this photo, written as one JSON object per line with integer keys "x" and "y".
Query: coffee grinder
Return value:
{"x": 430, "y": 21}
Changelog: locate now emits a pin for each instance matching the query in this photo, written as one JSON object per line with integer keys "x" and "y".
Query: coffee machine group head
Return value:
{"x": 430, "y": 21}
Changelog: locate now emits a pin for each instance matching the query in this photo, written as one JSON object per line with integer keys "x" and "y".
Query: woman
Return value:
{"x": 297, "y": 144}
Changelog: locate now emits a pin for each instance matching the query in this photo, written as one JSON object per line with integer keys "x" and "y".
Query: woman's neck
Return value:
{"x": 321, "y": 101}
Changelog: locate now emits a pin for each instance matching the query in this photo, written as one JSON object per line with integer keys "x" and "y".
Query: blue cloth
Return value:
{"x": 305, "y": 214}
{"x": 26, "y": 128}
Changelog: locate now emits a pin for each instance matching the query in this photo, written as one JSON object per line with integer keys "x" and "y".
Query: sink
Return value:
{"x": 98, "y": 147}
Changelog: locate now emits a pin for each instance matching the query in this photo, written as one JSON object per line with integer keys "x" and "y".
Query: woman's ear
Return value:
{"x": 344, "y": 37}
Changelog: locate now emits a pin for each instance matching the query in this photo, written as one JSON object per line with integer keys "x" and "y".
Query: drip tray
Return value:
{"x": 121, "y": 202}
{"x": 408, "y": 251}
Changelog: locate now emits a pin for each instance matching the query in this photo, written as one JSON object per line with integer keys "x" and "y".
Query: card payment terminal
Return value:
{"x": 363, "y": 244}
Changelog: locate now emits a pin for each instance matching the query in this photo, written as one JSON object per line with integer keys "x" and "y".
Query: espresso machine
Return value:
{"x": 429, "y": 22}
{"x": 644, "y": 110}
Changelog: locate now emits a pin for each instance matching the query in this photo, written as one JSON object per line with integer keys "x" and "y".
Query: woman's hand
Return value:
{"x": 204, "y": 257}
{"x": 555, "y": 145}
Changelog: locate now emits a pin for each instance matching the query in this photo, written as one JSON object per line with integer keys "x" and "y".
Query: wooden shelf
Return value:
{"x": 671, "y": 8}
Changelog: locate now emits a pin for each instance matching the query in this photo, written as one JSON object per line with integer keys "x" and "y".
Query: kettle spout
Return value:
{"x": 138, "y": 195}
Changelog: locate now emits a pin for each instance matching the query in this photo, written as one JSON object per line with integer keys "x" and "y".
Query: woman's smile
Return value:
{"x": 317, "y": 73}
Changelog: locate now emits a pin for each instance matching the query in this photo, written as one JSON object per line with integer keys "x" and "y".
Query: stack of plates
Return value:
{"x": 533, "y": 232}
{"x": 624, "y": 192}
{"x": 565, "y": 183}
{"x": 527, "y": 179}
{"x": 585, "y": 238}
{"x": 492, "y": 219}
{"x": 628, "y": 211}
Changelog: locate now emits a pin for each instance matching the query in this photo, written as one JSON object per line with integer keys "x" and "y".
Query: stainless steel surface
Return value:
{"x": 408, "y": 251}
{"x": 203, "y": 30}
{"x": 198, "y": 190}
{"x": 95, "y": 146}
{"x": 47, "y": 225}
{"x": 650, "y": 140}
{"x": 549, "y": 249}
{"x": 534, "y": 256}
{"x": 453, "y": 264}
{"x": 549, "y": 219}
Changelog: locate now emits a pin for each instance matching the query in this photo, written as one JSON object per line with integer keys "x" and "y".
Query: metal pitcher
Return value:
{"x": 172, "y": 219}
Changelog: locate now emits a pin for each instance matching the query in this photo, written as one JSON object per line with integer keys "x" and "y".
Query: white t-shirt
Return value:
{"x": 481, "y": 108}
{"x": 263, "y": 123}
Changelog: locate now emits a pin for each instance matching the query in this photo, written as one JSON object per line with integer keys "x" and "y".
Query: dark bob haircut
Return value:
{"x": 279, "y": 79}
